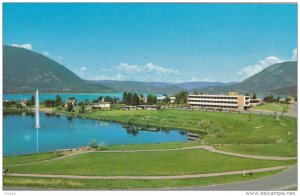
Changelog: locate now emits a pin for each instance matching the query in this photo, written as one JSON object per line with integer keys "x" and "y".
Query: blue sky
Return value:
{"x": 156, "y": 42}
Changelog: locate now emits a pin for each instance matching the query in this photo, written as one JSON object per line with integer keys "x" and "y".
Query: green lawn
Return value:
{"x": 61, "y": 183}
{"x": 157, "y": 146}
{"x": 273, "y": 107}
{"x": 263, "y": 149}
{"x": 145, "y": 163}
{"x": 30, "y": 158}
{"x": 227, "y": 128}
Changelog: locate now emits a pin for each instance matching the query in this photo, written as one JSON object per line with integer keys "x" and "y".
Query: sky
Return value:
{"x": 156, "y": 42}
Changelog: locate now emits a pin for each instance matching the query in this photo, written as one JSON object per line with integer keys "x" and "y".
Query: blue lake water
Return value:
{"x": 61, "y": 132}
{"x": 64, "y": 96}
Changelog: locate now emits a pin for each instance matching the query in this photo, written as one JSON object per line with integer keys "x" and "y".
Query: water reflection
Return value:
{"x": 20, "y": 136}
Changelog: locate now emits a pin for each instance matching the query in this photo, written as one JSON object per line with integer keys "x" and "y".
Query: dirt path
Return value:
{"x": 151, "y": 177}
{"x": 209, "y": 148}
{"x": 212, "y": 149}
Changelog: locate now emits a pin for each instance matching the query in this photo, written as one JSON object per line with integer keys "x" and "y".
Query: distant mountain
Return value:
{"x": 25, "y": 71}
{"x": 158, "y": 87}
{"x": 200, "y": 85}
{"x": 134, "y": 86}
{"x": 290, "y": 90}
{"x": 276, "y": 76}
{"x": 158, "y": 84}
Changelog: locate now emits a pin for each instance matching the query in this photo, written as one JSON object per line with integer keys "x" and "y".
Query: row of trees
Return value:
{"x": 271, "y": 99}
{"x": 135, "y": 99}
{"x": 53, "y": 103}
{"x": 114, "y": 100}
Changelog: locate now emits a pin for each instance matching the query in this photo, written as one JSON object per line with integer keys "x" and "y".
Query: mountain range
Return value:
{"x": 25, "y": 70}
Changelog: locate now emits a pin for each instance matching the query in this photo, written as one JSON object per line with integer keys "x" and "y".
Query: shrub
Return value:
{"x": 204, "y": 124}
{"x": 93, "y": 144}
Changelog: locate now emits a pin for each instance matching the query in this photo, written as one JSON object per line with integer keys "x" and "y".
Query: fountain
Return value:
{"x": 37, "y": 106}
{"x": 37, "y": 119}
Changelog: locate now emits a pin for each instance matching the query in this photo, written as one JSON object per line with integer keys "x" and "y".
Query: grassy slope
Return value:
{"x": 56, "y": 183}
{"x": 146, "y": 163}
{"x": 30, "y": 158}
{"x": 263, "y": 149}
{"x": 273, "y": 107}
{"x": 230, "y": 128}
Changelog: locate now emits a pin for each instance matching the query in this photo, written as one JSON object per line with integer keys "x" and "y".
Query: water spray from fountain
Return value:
{"x": 37, "y": 107}
{"x": 37, "y": 119}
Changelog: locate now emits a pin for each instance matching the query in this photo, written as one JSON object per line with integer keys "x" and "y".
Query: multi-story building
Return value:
{"x": 231, "y": 101}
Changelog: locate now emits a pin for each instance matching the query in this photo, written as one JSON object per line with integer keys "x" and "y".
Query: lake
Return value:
{"x": 62, "y": 132}
{"x": 65, "y": 96}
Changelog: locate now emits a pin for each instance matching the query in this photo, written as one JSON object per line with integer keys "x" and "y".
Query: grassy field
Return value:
{"x": 30, "y": 158}
{"x": 60, "y": 183}
{"x": 273, "y": 107}
{"x": 227, "y": 128}
{"x": 145, "y": 163}
{"x": 262, "y": 149}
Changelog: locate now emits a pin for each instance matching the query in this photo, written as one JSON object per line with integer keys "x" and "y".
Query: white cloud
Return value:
{"x": 262, "y": 64}
{"x": 161, "y": 71}
{"x": 59, "y": 58}
{"x": 46, "y": 53}
{"x": 125, "y": 71}
{"x": 295, "y": 55}
{"x": 82, "y": 69}
{"x": 26, "y": 46}
{"x": 194, "y": 79}
{"x": 104, "y": 77}
{"x": 128, "y": 68}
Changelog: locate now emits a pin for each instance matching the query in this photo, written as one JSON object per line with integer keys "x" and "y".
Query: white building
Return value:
{"x": 172, "y": 99}
{"x": 161, "y": 99}
{"x": 101, "y": 105}
{"x": 232, "y": 101}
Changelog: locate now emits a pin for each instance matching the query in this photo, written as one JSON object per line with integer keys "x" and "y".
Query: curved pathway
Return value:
{"x": 209, "y": 148}
{"x": 151, "y": 177}
{"x": 212, "y": 149}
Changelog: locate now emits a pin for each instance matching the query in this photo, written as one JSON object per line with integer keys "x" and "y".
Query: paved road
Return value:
{"x": 293, "y": 110}
{"x": 281, "y": 181}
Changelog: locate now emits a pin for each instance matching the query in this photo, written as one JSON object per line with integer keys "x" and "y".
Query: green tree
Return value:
{"x": 95, "y": 101}
{"x": 166, "y": 99}
{"x": 31, "y": 101}
{"x": 115, "y": 100}
{"x": 58, "y": 100}
{"x": 124, "y": 97}
{"x": 269, "y": 98}
{"x": 93, "y": 144}
{"x": 181, "y": 97}
{"x": 135, "y": 100}
{"x": 49, "y": 103}
{"x": 70, "y": 107}
{"x": 254, "y": 96}
{"x": 82, "y": 108}
{"x": 287, "y": 100}
{"x": 108, "y": 99}
{"x": 100, "y": 98}
{"x": 151, "y": 99}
